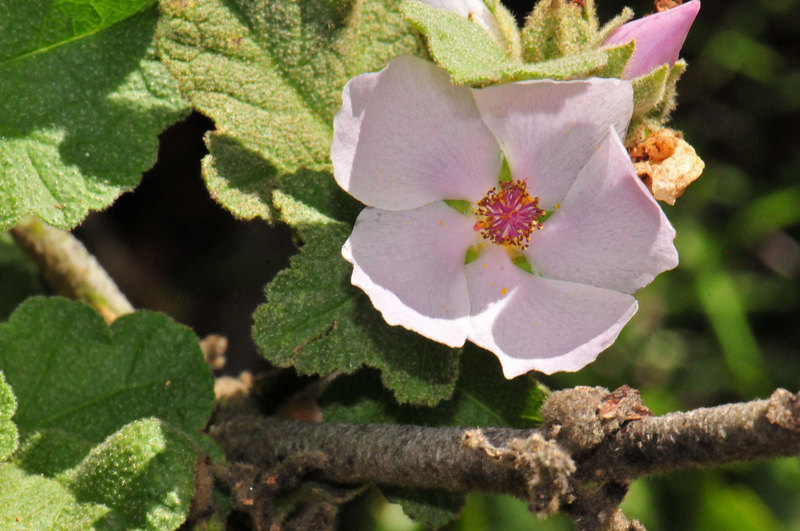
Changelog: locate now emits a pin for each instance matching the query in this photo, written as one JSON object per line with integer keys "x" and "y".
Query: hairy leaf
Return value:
{"x": 8, "y": 430}
{"x": 82, "y": 100}
{"x": 316, "y": 321}
{"x": 19, "y": 278}
{"x": 138, "y": 478}
{"x": 270, "y": 74}
{"x": 92, "y": 453}
{"x": 460, "y": 46}
{"x": 430, "y": 507}
{"x": 482, "y": 397}
{"x": 70, "y": 371}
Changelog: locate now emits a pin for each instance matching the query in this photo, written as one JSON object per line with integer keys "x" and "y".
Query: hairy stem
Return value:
{"x": 498, "y": 460}
{"x": 592, "y": 444}
{"x": 69, "y": 268}
{"x": 759, "y": 429}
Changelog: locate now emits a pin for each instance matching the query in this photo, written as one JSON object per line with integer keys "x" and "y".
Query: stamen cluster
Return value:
{"x": 509, "y": 215}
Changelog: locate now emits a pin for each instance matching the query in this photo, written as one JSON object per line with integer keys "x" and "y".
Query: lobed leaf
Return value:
{"x": 19, "y": 278}
{"x": 460, "y": 46}
{"x": 482, "y": 397}
{"x": 317, "y": 322}
{"x": 140, "y": 477}
{"x": 9, "y": 438}
{"x": 270, "y": 74}
{"x": 82, "y": 100}
{"x": 92, "y": 453}
{"x": 70, "y": 371}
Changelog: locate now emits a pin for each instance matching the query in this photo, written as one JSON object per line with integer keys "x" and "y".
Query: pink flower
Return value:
{"x": 407, "y": 139}
{"x": 659, "y": 37}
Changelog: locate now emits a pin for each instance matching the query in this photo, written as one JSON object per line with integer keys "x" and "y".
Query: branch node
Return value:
{"x": 783, "y": 409}
{"x": 579, "y": 419}
{"x": 545, "y": 467}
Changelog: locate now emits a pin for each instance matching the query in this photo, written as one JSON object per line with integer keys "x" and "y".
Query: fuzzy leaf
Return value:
{"x": 91, "y": 453}
{"x": 432, "y": 508}
{"x": 138, "y": 478}
{"x": 557, "y": 29}
{"x": 70, "y": 371}
{"x": 460, "y": 46}
{"x": 146, "y": 465}
{"x": 567, "y": 67}
{"x": 648, "y": 90}
{"x": 618, "y": 57}
{"x": 82, "y": 100}
{"x": 8, "y": 430}
{"x": 271, "y": 76}
{"x": 482, "y": 397}
{"x": 508, "y": 29}
{"x": 19, "y": 278}
{"x": 316, "y": 321}
{"x": 246, "y": 183}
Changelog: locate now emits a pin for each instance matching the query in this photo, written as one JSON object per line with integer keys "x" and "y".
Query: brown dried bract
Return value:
{"x": 623, "y": 403}
{"x": 664, "y": 5}
{"x": 667, "y": 164}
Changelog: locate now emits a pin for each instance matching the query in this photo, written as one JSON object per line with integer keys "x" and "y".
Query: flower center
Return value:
{"x": 509, "y": 215}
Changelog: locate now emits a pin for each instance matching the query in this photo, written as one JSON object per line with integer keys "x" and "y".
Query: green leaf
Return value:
{"x": 567, "y": 67}
{"x": 648, "y": 90}
{"x": 244, "y": 182}
{"x": 19, "y": 278}
{"x": 138, "y": 478}
{"x": 9, "y": 438}
{"x": 507, "y": 25}
{"x": 143, "y": 473}
{"x": 624, "y": 16}
{"x": 618, "y": 57}
{"x": 557, "y": 29}
{"x": 316, "y": 321}
{"x": 482, "y": 397}
{"x": 270, "y": 74}
{"x": 460, "y": 46}
{"x": 82, "y": 100}
{"x": 70, "y": 371}
{"x": 432, "y": 508}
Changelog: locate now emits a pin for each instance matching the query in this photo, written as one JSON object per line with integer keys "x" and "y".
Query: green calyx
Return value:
{"x": 556, "y": 28}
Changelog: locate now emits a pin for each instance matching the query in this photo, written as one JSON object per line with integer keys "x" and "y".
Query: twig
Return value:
{"x": 69, "y": 268}
{"x": 581, "y": 461}
{"x": 760, "y": 429}
{"x": 499, "y": 460}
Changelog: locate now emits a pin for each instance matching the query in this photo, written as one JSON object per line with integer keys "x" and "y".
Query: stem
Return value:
{"x": 593, "y": 443}
{"x": 495, "y": 460}
{"x": 759, "y": 429}
{"x": 69, "y": 268}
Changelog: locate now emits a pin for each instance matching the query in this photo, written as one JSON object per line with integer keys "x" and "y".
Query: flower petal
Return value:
{"x": 475, "y": 10}
{"x": 411, "y": 264}
{"x": 609, "y": 231}
{"x": 406, "y": 136}
{"x": 659, "y": 37}
{"x": 534, "y": 323}
{"x": 548, "y": 130}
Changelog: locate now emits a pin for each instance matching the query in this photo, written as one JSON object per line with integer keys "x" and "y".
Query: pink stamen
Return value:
{"x": 509, "y": 215}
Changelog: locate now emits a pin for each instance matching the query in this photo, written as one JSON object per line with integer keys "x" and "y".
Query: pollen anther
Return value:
{"x": 509, "y": 216}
